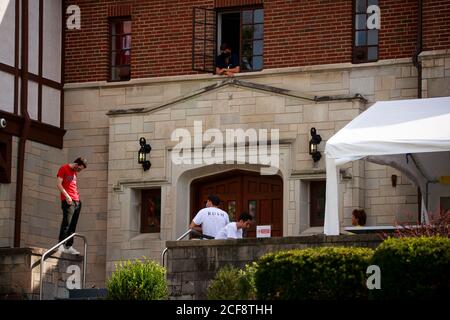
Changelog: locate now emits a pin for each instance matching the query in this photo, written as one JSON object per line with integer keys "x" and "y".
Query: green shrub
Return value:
{"x": 316, "y": 273}
{"x": 247, "y": 281}
{"x": 413, "y": 268}
{"x": 137, "y": 281}
{"x": 231, "y": 283}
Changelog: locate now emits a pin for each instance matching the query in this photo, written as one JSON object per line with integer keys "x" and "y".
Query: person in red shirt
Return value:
{"x": 70, "y": 201}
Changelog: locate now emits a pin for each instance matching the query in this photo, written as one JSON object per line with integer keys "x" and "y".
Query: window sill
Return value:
{"x": 146, "y": 237}
{"x": 249, "y": 75}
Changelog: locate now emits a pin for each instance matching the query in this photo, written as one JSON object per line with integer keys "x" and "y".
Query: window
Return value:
{"x": 151, "y": 211}
{"x": 242, "y": 29}
{"x": 317, "y": 203}
{"x": 120, "y": 49}
{"x": 365, "y": 40}
{"x": 445, "y": 205}
{"x": 252, "y": 31}
{"x": 252, "y": 209}
{"x": 232, "y": 210}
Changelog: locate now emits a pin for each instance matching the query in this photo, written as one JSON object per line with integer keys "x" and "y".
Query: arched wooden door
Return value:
{"x": 261, "y": 196}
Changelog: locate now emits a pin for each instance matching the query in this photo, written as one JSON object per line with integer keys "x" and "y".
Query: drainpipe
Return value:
{"x": 419, "y": 48}
{"x": 26, "y": 125}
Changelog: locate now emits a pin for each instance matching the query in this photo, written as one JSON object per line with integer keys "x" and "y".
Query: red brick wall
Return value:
{"x": 235, "y": 3}
{"x": 398, "y": 34}
{"x": 296, "y": 33}
{"x": 161, "y": 39}
{"x": 436, "y": 25}
{"x": 300, "y": 33}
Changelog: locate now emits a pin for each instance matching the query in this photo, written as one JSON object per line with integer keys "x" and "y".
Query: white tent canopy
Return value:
{"x": 412, "y": 136}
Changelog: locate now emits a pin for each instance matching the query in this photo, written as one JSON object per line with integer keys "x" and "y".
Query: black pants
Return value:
{"x": 69, "y": 221}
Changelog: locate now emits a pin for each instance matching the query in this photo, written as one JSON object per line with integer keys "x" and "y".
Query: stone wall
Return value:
{"x": 41, "y": 209}
{"x": 7, "y": 202}
{"x": 192, "y": 264}
{"x": 20, "y": 273}
{"x": 41, "y": 213}
{"x": 436, "y": 73}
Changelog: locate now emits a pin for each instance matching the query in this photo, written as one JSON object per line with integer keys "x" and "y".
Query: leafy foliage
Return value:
{"x": 315, "y": 273}
{"x": 439, "y": 225}
{"x": 231, "y": 283}
{"x": 137, "y": 281}
{"x": 415, "y": 267}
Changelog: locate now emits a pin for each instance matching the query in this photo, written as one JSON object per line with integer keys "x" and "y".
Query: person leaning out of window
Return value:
{"x": 227, "y": 63}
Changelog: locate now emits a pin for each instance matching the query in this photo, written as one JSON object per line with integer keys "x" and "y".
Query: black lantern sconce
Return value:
{"x": 142, "y": 154}
{"x": 313, "y": 144}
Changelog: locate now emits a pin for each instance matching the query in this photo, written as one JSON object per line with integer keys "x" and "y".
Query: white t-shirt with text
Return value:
{"x": 212, "y": 220}
{"x": 230, "y": 231}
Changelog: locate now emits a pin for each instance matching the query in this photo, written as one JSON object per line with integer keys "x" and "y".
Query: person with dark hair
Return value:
{"x": 211, "y": 219}
{"x": 358, "y": 217}
{"x": 70, "y": 201}
{"x": 227, "y": 63}
{"x": 233, "y": 230}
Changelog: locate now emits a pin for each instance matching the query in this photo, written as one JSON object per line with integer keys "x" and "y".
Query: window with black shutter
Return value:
{"x": 241, "y": 28}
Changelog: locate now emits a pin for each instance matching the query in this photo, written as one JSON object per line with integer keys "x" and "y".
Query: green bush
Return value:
{"x": 231, "y": 283}
{"x": 137, "y": 281}
{"x": 316, "y": 273}
{"x": 413, "y": 268}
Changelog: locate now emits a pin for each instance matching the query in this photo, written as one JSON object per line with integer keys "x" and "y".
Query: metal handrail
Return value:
{"x": 184, "y": 234}
{"x": 189, "y": 231}
{"x": 56, "y": 246}
{"x": 163, "y": 253}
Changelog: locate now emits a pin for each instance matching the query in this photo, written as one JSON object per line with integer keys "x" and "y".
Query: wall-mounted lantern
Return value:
{"x": 313, "y": 145}
{"x": 142, "y": 154}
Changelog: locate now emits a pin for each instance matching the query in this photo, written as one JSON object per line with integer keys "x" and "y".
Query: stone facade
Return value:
{"x": 7, "y": 202}
{"x": 111, "y": 185}
{"x": 191, "y": 265}
{"x": 20, "y": 273}
{"x": 229, "y": 107}
{"x": 436, "y": 73}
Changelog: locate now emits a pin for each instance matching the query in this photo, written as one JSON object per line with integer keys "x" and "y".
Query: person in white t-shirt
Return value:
{"x": 233, "y": 230}
{"x": 211, "y": 219}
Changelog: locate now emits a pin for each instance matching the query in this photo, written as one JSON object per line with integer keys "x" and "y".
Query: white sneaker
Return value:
{"x": 72, "y": 250}
{"x": 62, "y": 248}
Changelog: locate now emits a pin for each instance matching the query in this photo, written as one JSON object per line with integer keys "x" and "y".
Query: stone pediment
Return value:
{"x": 246, "y": 85}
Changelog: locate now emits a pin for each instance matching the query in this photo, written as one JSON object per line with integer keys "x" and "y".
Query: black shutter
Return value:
{"x": 203, "y": 39}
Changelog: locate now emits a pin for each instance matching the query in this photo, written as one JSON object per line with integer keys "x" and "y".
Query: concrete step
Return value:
{"x": 87, "y": 294}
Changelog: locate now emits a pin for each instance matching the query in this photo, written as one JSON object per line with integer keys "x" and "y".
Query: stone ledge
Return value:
{"x": 245, "y": 75}
{"x": 39, "y": 252}
{"x": 193, "y": 263}
{"x": 434, "y": 54}
{"x": 274, "y": 241}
